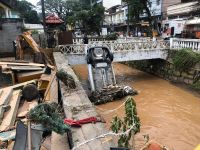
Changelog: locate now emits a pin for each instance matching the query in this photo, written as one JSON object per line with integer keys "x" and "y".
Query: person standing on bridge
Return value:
{"x": 85, "y": 39}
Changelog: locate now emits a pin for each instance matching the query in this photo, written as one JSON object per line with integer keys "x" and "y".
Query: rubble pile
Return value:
{"x": 30, "y": 101}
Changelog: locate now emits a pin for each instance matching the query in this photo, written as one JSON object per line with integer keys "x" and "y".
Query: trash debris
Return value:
{"x": 111, "y": 94}
{"x": 7, "y": 135}
{"x": 47, "y": 115}
{"x": 78, "y": 123}
{"x": 30, "y": 92}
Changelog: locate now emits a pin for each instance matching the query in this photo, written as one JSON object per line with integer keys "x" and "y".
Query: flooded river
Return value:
{"x": 168, "y": 114}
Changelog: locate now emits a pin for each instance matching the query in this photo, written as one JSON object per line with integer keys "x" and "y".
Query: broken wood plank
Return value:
{"x": 27, "y": 76}
{"x": 10, "y": 145}
{"x": 26, "y": 107}
{"x": 52, "y": 87}
{"x": 46, "y": 144}
{"x": 25, "y": 68}
{"x": 21, "y": 64}
{"x": 32, "y": 104}
{"x": 5, "y": 97}
{"x": 20, "y": 85}
{"x": 59, "y": 142}
{"x": 9, "y": 119}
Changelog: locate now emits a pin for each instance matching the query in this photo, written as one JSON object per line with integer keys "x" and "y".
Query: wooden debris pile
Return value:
{"x": 21, "y": 72}
{"x": 37, "y": 87}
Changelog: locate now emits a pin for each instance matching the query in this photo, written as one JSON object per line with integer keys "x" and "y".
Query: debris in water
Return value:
{"x": 111, "y": 94}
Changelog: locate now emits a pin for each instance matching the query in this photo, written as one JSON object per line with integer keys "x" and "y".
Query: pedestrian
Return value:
{"x": 85, "y": 39}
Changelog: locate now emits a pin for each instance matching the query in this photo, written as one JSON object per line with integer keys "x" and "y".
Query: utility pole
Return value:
{"x": 43, "y": 16}
{"x": 90, "y": 4}
{"x": 128, "y": 28}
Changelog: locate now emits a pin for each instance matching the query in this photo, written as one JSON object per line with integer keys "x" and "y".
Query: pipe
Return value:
{"x": 91, "y": 79}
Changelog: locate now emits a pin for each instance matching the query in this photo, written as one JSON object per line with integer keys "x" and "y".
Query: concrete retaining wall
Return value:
{"x": 165, "y": 69}
{"x": 77, "y": 106}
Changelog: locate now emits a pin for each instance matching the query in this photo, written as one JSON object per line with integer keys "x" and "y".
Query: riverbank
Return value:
{"x": 169, "y": 114}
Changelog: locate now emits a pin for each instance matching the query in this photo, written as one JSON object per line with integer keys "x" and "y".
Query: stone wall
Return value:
{"x": 9, "y": 29}
{"x": 165, "y": 69}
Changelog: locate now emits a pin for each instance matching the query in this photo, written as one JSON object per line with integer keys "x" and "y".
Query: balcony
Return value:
{"x": 183, "y": 8}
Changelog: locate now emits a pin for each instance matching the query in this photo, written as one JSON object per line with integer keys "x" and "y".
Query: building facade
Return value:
{"x": 109, "y": 3}
{"x": 182, "y": 19}
{"x": 116, "y": 16}
{"x": 10, "y": 27}
{"x": 6, "y": 11}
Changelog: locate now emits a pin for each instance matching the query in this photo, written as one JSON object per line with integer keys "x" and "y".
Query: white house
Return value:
{"x": 117, "y": 14}
{"x": 6, "y": 11}
{"x": 109, "y": 3}
{"x": 180, "y": 17}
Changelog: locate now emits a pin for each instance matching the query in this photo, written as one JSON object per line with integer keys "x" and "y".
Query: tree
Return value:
{"x": 61, "y": 8}
{"x": 26, "y": 11}
{"x": 136, "y": 8}
{"x": 88, "y": 18}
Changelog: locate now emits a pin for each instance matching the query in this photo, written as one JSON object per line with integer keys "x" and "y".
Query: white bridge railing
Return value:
{"x": 120, "y": 39}
{"x": 114, "y": 46}
{"x": 180, "y": 43}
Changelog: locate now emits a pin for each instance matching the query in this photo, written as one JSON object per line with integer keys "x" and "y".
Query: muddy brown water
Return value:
{"x": 169, "y": 114}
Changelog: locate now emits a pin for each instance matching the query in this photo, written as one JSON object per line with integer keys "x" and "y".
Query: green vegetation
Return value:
{"x": 137, "y": 7}
{"x": 185, "y": 59}
{"x": 130, "y": 122}
{"x": 49, "y": 117}
{"x": 84, "y": 14}
{"x": 196, "y": 86}
{"x": 66, "y": 78}
{"x": 112, "y": 36}
{"x": 27, "y": 12}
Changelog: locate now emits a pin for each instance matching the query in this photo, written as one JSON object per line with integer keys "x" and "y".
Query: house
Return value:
{"x": 6, "y": 10}
{"x": 109, "y": 3}
{"x": 116, "y": 17}
{"x": 182, "y": 19}
{"x": 10, "y": 26}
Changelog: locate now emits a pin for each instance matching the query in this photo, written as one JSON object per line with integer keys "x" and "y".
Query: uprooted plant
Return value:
{"x": 130, "y": 123}
{"x": 66, "y": 78}
{"x": 47, "y": 114}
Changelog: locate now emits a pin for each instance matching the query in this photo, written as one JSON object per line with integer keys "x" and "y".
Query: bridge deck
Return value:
{"x": 126, "y": 51}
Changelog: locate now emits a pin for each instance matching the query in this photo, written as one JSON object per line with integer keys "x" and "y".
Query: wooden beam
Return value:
{"x": 27, "y": 76}
{"x": 21, "y": 64}
{"x": 9, "y": 119}
{"x": 25, "y": 68}
{"x": 20, "y": 85}
{"x": 52, "y": 88}
{"x": 59, "y": 142}
{"x": 5, "y": 97}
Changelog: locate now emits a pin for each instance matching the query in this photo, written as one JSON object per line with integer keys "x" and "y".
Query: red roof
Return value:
{"x": 52, "y": 19}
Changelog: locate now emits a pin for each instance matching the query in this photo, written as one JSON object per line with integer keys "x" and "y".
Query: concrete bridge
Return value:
{"x": 122, "y": 51}
{"x": 128, "y": 49}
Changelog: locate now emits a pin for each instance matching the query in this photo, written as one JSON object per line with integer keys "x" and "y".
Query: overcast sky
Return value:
{"x": 34, "y": 2}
